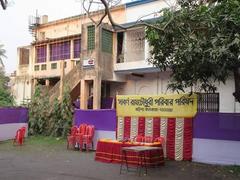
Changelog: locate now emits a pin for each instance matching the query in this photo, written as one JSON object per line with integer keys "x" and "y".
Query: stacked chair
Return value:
{"x": 83, "y": 137}
{"x": 19, "y": 137}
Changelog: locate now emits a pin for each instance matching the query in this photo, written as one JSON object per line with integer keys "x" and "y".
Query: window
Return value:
{"x": 36, "y": 68}
{"x": 60, "y": 51}
{"x": 65, "y": 64}
{"x": 135, "y": 45}
{"x": 42, "y": 36}
{"x": 107, "y": 41}
{"x": 41, "y": 54}
{"x": 43, "y": 67}
{"x": 54, "y": 66}
{"x": 24, "y": 56}
{"x": 91, "y": 37}
{"x": 120, "y": 48}
{"x": 208, "y": 102}
{"x": 76, "y": 48}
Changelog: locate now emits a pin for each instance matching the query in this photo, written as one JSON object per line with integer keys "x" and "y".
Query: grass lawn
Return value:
{"x": 48, "y": 158}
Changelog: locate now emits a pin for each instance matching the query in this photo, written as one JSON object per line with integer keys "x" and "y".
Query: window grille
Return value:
{"x": 36, "y": 68}
{"x": 135, "y": 45}
{"x": 41, "y": 54}
{"x": 76, "y": 48}
{"x": 54, "y": 66}
{"x": 91, "y": 37}
{"x": 107, "y": 41}
{"x": 43, "y": 67}
{"x": 60, "y": 51}
{"x": 208, "y": 102}
{"x": 24, "y": 56}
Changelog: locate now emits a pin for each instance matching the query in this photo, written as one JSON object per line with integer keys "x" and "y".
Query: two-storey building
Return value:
{"x": 98, "y": 62}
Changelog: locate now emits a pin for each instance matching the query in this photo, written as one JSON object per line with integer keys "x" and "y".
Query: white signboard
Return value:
{"x": 88, "y": 62}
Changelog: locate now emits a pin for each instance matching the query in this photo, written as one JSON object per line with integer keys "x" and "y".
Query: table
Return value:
{"x": 141, "y": 153}
{"x": 110, "y": 151}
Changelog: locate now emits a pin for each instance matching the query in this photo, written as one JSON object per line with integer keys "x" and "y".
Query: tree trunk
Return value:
{"x": 236, "y": 73}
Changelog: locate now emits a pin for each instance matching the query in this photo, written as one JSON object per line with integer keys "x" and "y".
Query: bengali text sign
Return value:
{"x": 171, "y": 105}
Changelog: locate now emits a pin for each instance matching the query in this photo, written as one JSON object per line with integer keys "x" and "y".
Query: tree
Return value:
{"x": 4, "y": 4}
{"x": 200, "y": 43}
{"x": 66, "y": 111}
{"x": 50, "y": 119}
{"x": 39, "y": 113}
{"x": 6, "y": 99}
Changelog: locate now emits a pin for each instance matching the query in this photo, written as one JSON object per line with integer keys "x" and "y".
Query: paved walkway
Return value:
{"x": 36, "y": 162}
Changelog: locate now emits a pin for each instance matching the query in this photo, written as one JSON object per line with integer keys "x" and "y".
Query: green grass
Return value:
{"x": 45, "y": 140}
{"x": 233, "y": 169}
{"x": 32, "y": 143}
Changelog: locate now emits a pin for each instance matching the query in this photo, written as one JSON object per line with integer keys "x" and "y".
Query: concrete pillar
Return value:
{"x": 47, "y": 82}
{"x": 84, "y": 94}
{"x": 97, "y": 93}
{"x": 71, "y": 49}
{"x": 48, "y": 53}
{"x": 61, "y": 80}
{"x": 34, "y": 83}
{"x": 48, "y": 58}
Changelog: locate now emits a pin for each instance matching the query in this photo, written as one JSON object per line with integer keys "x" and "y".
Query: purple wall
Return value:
{"x": 102, "y": 119}
{"x": 219, "y": 126}
{"x": 13, "y": 115}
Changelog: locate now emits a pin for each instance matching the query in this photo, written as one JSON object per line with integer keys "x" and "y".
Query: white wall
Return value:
{"x": 8, "y": 131}
{"x": 140, "y": 11}
{"x": 156, "y": 83}
{"x": 21, "y": 89}
{"x": 216, "y": 151}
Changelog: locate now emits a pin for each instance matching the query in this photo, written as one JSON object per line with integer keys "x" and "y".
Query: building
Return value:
{"x": 98, "y": 62}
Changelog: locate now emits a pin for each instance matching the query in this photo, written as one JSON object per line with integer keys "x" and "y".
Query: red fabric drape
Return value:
{"x": 141, "y": 126}
{"x": 127, "y": 127}
{"x": 156, "y": 127}
{"x": 187, "y": 139}
{"x": 110, "y": 152}
{"x": 171, "y": 138}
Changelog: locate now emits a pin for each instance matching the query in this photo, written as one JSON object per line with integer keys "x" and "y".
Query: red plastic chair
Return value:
{"x": 79, "y": 136}
{"x": 88, "y": 137}
{"x": 148, "y": 139}
{"x": 71, "y": 138}
{"x": 160, "y": 139}
{"x": 139, "y": 138}
{"x": 19, "y": 137}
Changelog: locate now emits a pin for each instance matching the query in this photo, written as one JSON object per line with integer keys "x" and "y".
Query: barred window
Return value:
{"x": 60, "y": 51}
{"x": 91, "y": 37}
{"x": 41, "y": 54}
{"x": 54, "y": 66}
{"x": 76, "y": 48}
{"x": 107, "y": 41}
{"x": 24, "y": 56}
{"x": 208, "y": 102}
{"x": 43, "y": 67}
{"x": 36, "y": 68}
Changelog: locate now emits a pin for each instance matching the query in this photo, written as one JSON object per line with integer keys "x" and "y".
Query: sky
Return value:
{"x": 14, "y": 23}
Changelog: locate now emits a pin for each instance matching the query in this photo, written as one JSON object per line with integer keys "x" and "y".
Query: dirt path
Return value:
{"x": 37, "y": 160}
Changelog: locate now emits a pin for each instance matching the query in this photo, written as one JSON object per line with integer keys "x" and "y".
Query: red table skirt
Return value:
{"x": 110, "y": 152}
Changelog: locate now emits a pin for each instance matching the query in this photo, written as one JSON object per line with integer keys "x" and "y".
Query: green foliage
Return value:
{"x": 50, "y": 119}
{"x": 66, "y": 111}
{"x": 39, "y": 113}
{"x": 6, "y": 99}
{"x": 55, "y": 126}
{"x": 200, "y": 43}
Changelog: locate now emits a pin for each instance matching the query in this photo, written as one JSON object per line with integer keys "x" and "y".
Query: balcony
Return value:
{"x": 52, "y": 68}
{"x": 132, "y": 52}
